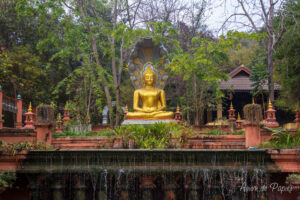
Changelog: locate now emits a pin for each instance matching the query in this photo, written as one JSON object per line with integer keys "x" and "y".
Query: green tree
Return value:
{"x": 16, "y": 30}
{"x": 200, "y": 66}
{"x": 20, "y": 71}
{"x": 288, "y": 58}
{"x": 116, "y": 46}
{"x": 249, "y": 54}
{"x": 259, "y": 78}
{"x": 251, "y": 14}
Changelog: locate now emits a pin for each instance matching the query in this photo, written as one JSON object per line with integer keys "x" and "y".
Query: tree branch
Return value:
{"x": 279, "y": 37}
{"x": 235, "y": 14}
{"x": 67, "y": 5}
{"x": 248, "y": 16}
{"x": 263, "y": 9}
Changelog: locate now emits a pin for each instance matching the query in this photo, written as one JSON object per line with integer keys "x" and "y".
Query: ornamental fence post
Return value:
{"x": 18, "y": 123}
{"x": 1, "y": 117}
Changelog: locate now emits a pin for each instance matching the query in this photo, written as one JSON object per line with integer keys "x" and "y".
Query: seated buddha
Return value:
{"x": 153, "y": 99}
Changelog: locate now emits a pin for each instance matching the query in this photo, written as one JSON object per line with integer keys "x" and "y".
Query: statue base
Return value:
{"x": 146, "y": 122}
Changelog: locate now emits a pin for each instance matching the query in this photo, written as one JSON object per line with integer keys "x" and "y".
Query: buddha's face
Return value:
{"x": 149, "y": 79}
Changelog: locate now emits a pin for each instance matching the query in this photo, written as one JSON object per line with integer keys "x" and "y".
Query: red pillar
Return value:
{"x": 252, "y": 134}
{"x": 44, "y": 124}
{"x": 231, "y": 114}
{"x": 59, "y": 124}
{"x": 18, "y": 123}
{"x": 1, "y": 118}
{"x": 297, "y": 118}
{"x": 66, "y": 115}
{"x": 239, "y": 122}
{"x": 177, "y": 115}
{"x": 271, "y": 117}
{"x": 147, "y": 185}
{"x": 44, "y": 132}
{"x": 126, "y": 111}
{"x": 29, "y": 118}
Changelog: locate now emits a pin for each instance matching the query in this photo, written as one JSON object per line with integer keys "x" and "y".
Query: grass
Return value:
{"x": 175, "y": 129}
{"x": 219, "y": 132}
{"x": 69, "y": 133}
{"x": 238, "y": 133}
{"x": 156, "y": 136}
{"x": 214, "y": 132}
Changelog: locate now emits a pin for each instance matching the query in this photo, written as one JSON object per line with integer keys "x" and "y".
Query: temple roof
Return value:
{"x": 240, "y": 80}
{"x": 239, "y": 70}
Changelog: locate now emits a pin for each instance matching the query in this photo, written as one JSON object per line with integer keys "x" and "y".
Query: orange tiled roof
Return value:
{"x": 240, "y": 80}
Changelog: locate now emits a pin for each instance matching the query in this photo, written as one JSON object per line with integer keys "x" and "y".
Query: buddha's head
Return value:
{"x": 149, "y": 76}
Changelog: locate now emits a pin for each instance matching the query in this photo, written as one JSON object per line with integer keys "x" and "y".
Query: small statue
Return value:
{"x": 153, "y": 99}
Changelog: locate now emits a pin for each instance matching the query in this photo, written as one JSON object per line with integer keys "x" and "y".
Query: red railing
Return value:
{"x": 10, "y": 104}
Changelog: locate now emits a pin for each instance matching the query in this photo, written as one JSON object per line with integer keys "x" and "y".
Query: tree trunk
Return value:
{"x": 116, "y": 85}
{"x": 270, "y": 47}
{"x": 270, "y": 69}
{"x": 201, "y": 109}
{"x": 89, "y": 101}
{"x": 263, "y": 104}
{"x": 188, "y": 118}
{"x": 97, "y": 59}
{"x": 195, "y": 97}
{"x": 104, "y": 83}
{"x": 119, "y": 75}
{"x": 114, "y": 68}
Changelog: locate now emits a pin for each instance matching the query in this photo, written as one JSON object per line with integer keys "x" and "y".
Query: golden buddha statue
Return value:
{"x": 153, "y": 99}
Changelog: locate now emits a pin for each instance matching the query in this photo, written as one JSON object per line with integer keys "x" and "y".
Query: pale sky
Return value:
{"x": 220, "y": 10}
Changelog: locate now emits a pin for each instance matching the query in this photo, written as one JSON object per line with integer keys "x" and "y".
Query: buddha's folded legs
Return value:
{"x": 163, "y": 115}
{"x": 153, "y": 115}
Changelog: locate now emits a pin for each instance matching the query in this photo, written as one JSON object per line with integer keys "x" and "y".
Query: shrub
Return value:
{"x": 214, "y": 132}
{"x": 219, "y": 132}
{"x": 238, "y": 133}
{"x": 156, "y": 136}
{"x": 70, "y": 133}
{"x": 252, "y": 113}
{"x": 7, "y": 179}
{"x": 13, "y": 148}
{"x": 282, "y": 140}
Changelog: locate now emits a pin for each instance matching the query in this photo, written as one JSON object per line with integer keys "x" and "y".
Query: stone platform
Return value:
{"x": 146, "y": 122}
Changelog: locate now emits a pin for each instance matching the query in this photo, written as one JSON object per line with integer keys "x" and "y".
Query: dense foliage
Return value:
{"x": 77, "y": 51}
{"x": 14, "y": 148}
{"x": 7, "y": 179}
{"x": 156, "y": 136}
{"x": 220, "y": 132}
{"x": 282, "y": 139}
{"x": 288, "y": 59}
{"x": 70, "y": 133}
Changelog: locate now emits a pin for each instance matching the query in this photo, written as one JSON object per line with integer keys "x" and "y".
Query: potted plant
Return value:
{"x": 294, "y": 180}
